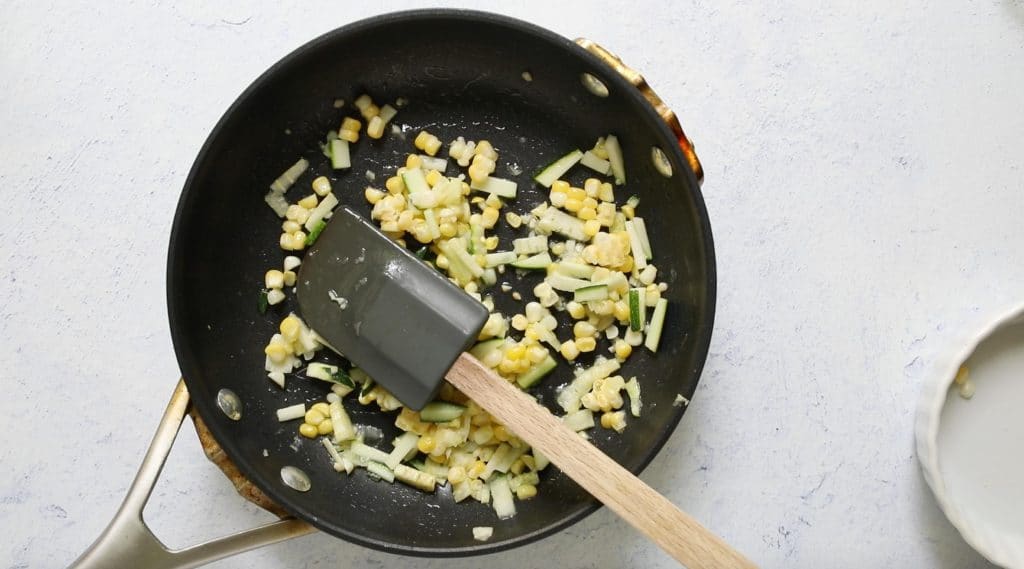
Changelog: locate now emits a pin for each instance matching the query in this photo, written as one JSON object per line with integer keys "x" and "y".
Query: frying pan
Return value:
{"x": 534, "y": 95}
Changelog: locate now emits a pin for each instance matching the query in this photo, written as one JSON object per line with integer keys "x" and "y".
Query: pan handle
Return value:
{"x": 128, "y": 542}
{"x": 638, "y": 81}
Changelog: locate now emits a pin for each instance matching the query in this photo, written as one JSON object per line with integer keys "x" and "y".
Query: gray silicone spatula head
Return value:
{"x": 385, "y": 310}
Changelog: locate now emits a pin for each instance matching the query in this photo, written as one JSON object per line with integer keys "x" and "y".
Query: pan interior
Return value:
{"x": 461, "y": 74}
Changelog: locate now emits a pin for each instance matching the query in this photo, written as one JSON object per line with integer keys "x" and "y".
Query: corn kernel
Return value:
{"x": 519, "y": 322}
{"x": 606, "y": 193}
{"x": 588, "y": 214}
{"x": 583, "y": 329}
{"x": 298, "y": 241}
{"x": 413, "y": 161}
{"x": 289, "y": 278}
{"x": 290, "y": 329}
{"x": 441, "y": 261}
{"x": 290, "y": 226}
{"x": 628, "y": 211}
{"x": 592, "y": 187}
{"x": 621, "y": 311}
{"x": 560, "y": 187}
{"x": 484, "y": 148}
{"x": 325, "y": 427}
{"x": 426, "y": 444}
{"x": 526, "y": 491}
{"x": 314, "y": 417}
{"x": 432, "y": 146}
{"x": 614, "y": 420}
{"x": 586, "y": 344}
{"x": 308, "y": 202}
{"x": 322, "y": 186}
{"x": 501, "y": 433}
{"x": 370, "y": 111}
{"x": 373, "y": 195}
{"x": 622, "y": 349}
{"x": 395, "y": 185}
{"x": 573, "y": 205}
{"x": 274, "y": 279}
{"x": 482, "y": 434}
{"x": 297, "y": 213}
{"x": 476, "y": 470}
{"x": 375, "y": 128}
{"x": 591, "y": 227}
{"x": 576, "y": 310}
{"x": 433, "y": 177}
{"x": 448, "y": 230}
{"x": 576, "y": 194}
{"x": 276, "y": 352}
{"x": 508, "y": 366}
{"x": 516, "y": 352}
{"x": 456, "y": 474}
{"x": 286, "y": 241}
{"x": 558, "y": 200}
{"x": 478, "y": 173}
{"x": 489, "y": 217}
{"x": 513, "y": 220}
{"x": 590, "y": 203}
{"x": 491, "y": 243}
{"x": 569, "y": 350}
{"x": 352, "y": 124}
{"x": 323, "y": 408}
{"x": 348, "y": 135}
{"x": 517, "y": 467}
{"x": 421, "y": 139}
{"x": 533, "y": 332}
{"x": 308, "y": 431}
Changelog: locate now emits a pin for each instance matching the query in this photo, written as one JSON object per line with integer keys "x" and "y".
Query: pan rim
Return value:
{"x": 175, "y": 269}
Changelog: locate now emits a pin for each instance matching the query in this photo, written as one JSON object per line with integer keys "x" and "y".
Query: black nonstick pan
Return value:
{"x": 535, "y": 95}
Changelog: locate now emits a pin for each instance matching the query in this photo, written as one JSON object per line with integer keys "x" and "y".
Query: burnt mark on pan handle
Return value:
{"x": 666, "y": 114}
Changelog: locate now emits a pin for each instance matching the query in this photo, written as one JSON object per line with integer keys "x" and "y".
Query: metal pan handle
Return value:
{"x": 638, "y": 81}
{"x": 128, "y": 542}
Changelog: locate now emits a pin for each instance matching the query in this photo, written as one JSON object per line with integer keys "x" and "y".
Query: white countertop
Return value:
{"x": 864, "y": 184}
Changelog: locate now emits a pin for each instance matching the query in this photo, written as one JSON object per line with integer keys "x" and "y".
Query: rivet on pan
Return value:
{"x": 661, "y": 163}
{"x": 594, "y": 85}
{"x": 230, "y": 404}
{"x": 295, "y": 479}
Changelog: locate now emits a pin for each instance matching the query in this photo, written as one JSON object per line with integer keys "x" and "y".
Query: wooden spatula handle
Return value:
{"x": 648, "y": 511}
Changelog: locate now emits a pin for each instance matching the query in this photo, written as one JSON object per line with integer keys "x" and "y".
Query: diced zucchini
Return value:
{"x": 368, "y": 453}
{"x": 554, "y": 220}
{"x": 321, "y": 210}
{"x": 540, "y": 461}
{"x": 315, "y": 233}
{"x": 291, "y": 412}
{"x": 286, "y": 179}
{"x": 415, "y": 478}
{"x": 404, "y": 444}
{"x": 569, "y": 396}
{"x": 482, "y": 533}
{"x": 618, "y": 223}
{"x": 344, "y": 430}
{"x": 657, "y": 323}
{"x": 633, "y": 391}
{"x": 500, "y": 258}
{"x": 637, "y": 309}
{"x": 633, "y": 201}
{"x": 591, "y": 293}
{"x": 380, "y": 471}
{"x": 579, "y": 420}
{"x": 433, "y": 163}
{"x": 501, "y": 498}
{"x": 611, "y": 144}
{"x": 537, "y": 371}
{"x": 636, "y": 246}
{"x": 566, "y": 284}
{"x": 530, "y": 245}
{"x": 340, "y": 158}
{"x": 277, "y": 202}
{"x": 641, "y": 231}
{"x": 502, "y": 459}
{"x": 538, "y": 261}
{"x": 556, "y": 169}
{"x": 572, "y": 269}
{"x": 415, "y": 181}
{"x": 497, "y": 186}
{"x": 329, "y": 373}
{"x": 596, "y": 163}
{"x": 482, "y": 349}
{"x": 441, "y": 412}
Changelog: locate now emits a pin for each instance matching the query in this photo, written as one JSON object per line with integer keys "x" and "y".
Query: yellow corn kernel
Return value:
{"x": 373, "y": 195}
{"x": 559, "y": 187}
{"x": 322, "y": 186}
{"x": 614, "y": 420}
{"x": 576, "y": 194}
{"x": 583, "y": 329}
{"x": 323, "y": 408}
{"x": 432, "y": 146}
{"x": 621, "y": 311}
{"x": 325, "y": 427}
{"x": 622, "y": 349}
{"x": 588, "y": 344}
{"x": 508, "y": 366}
{"x": 297, "y": 213}
{"x": 592, "y": 186}
{"x": 573, "y": 205}
{"x": 370, "y": 111}
{"x": 605, "y": 193}
{"x": 286, "y": 241}
{"x": 290, "y": 328}
{"x": 421, "y": 139}
{"x": 441, "y": 261}
{"x": 484, "y": 148}
{"x": 536, "y": 354}
{"x": 314, "y": 417}
{"x": 588, "y": 214}
{"x": 273, "y": 279}
{"x": 352, "y": 124}
{"x": 289, "y": 278}
{"x": 308, "y": 431}
{"x": 395, "y": 185}
{"x": 298, "y": 241}
{"x": 501, "y": 433}
{"x": 590, "y": 203}
{"x": 515, "y": 352}
{"x": 491, "y": 243}
{"x": 448, "y": 230}
{"x": 308, "y": 202}
{"x": 523, "y": 365}
{"x": 591, "y": 227}
{"x": 519, "y": 322}
{"x": 627, "y": 210}
{"x": 456, "y": 474}
{"x": 375, "y": 128}
{"x": 426, "y": 444}
{"x": 348, "y": 135}
{"x": 276, "y": 352}
{"x": 489, "y": 217}
{"x": 433, "y": 177}
{"x": 413, "y": 161}
{"x": 576, "y": 310}
{"x": 478, "y": 173}
{"x": 532, "y": 332}
{"x": 526, "y": 491}
{"x": 290, "y": 226}
{"x": 476, "y": 470}
{"x": 569, "y": 350}
{"x": 405, "y": 220}
{"x": 518, "y": 466}
{"x": 494, "y": 201}
{"x": 482, "y": 434}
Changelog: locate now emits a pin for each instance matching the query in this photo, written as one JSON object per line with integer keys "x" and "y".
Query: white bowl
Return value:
{"x": 972, "y": 450}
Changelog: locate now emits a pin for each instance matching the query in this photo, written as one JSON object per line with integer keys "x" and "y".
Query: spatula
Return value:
{"x": 408, "y": 327}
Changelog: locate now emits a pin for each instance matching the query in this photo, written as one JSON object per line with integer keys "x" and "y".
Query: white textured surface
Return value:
{"x": 863, "y": 180}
